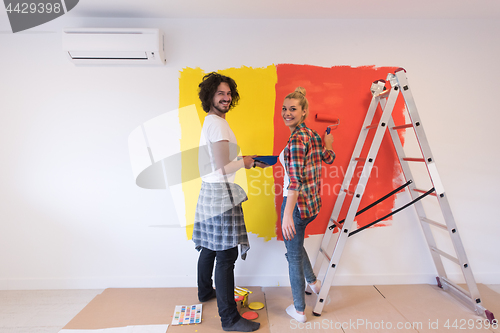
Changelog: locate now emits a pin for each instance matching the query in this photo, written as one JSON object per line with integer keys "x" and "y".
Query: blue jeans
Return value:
{"x": 299, "y": 266}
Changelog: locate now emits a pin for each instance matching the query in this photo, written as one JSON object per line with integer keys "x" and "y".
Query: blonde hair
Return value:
{"x": 300, "y": 94}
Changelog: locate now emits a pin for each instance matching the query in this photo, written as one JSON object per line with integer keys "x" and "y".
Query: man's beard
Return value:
{"x": 222, "y": 110}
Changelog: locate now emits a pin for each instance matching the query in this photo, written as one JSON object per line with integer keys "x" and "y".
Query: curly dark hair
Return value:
{"x": 208, "y": 88}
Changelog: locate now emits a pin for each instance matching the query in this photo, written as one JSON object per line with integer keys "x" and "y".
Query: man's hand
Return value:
{"x": 249, "y": 161}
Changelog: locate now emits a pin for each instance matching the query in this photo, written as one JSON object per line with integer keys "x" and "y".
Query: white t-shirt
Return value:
{"x": 286, "y": 179}
{"x": 215, "y": 129}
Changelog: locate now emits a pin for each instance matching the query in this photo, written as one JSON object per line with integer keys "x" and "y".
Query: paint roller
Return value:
{"x": 326, "y": 118}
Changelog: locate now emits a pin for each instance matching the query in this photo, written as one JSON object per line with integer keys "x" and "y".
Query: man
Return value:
{"x": 219, "y": 225}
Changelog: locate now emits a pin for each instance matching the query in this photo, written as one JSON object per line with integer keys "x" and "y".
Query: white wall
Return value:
{"x": 72, "y": 217}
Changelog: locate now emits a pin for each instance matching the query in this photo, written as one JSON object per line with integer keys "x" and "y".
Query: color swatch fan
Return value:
{"x": 184, "y": 315}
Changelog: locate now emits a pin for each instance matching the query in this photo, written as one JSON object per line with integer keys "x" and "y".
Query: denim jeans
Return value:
{"x": 224, "y": 281}
{"x": 299, "y": 266}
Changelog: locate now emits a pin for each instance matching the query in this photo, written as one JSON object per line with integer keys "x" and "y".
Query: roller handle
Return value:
{"x": 328, "y": 129}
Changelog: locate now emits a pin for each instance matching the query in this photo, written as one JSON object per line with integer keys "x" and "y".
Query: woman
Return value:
{"x": 302, "y": 159}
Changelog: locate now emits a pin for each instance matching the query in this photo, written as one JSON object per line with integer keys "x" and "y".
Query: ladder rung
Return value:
{"x": 402, "y": 126}
{"x": 434, "y": 223}
{"x": 446, "y": 255}
{"x": 371, "y": 127}
{"x": 325, "y": 254}
{"x": 349, "y": 192}
{"x": 456, "y": 287}
{"x": 385, "y": 92}
{"x": 413, "y": 159}
{"x": 336, "y": 223}
{"x": 360, "y": 159}
{"x": 422, "y": 191}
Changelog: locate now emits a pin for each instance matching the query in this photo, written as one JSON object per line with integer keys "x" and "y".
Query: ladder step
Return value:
{"x": 456, "y": 287}
{"x": 434, "y": 223}
{"x": 362, "y": 159}
{"x": 413, "y": 159}
{"x": 325, "y": 254}
{"x": 371, "y": 126}
{"x": 385, "y": 92}
{"x": 446, "y": 255}
{"x": 349, "y": 192}
{"x": 336, "y": 223}
{"x": 422, "y": 191}
{"x": 402, "y": 126}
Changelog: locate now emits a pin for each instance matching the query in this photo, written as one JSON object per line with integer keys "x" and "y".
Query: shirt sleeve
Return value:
{"x": 296, "y": 168}
{"x": 218, "y": 131}
{"x": 328, "y": 156}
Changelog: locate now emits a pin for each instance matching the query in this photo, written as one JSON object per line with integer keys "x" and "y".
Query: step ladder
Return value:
{"x": 327, "y": 262}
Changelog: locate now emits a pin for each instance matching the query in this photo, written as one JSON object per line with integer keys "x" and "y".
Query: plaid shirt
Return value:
{"x": 218, "y": 222}
{"x": 303, "y": 156}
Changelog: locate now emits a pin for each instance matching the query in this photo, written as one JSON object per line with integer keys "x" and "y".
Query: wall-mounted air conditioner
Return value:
{"x": 114, "y": 46}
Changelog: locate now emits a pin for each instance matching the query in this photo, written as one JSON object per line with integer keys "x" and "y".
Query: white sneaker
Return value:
{"x": 295, "y": 315}
{"x": 316, "y": 286}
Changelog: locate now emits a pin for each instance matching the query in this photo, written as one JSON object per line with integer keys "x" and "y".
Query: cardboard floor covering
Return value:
{"x": 348, "y": 309}
{"x": 122, "y": 307}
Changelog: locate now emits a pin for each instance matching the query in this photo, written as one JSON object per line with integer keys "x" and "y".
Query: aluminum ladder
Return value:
{"x": 327, "y": 262}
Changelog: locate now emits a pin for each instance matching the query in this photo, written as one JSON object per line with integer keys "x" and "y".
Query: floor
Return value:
{"x": 49, "y": 311}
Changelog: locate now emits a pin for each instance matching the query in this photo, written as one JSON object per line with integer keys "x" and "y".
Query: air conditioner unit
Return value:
{"x": 114, "y": 46}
